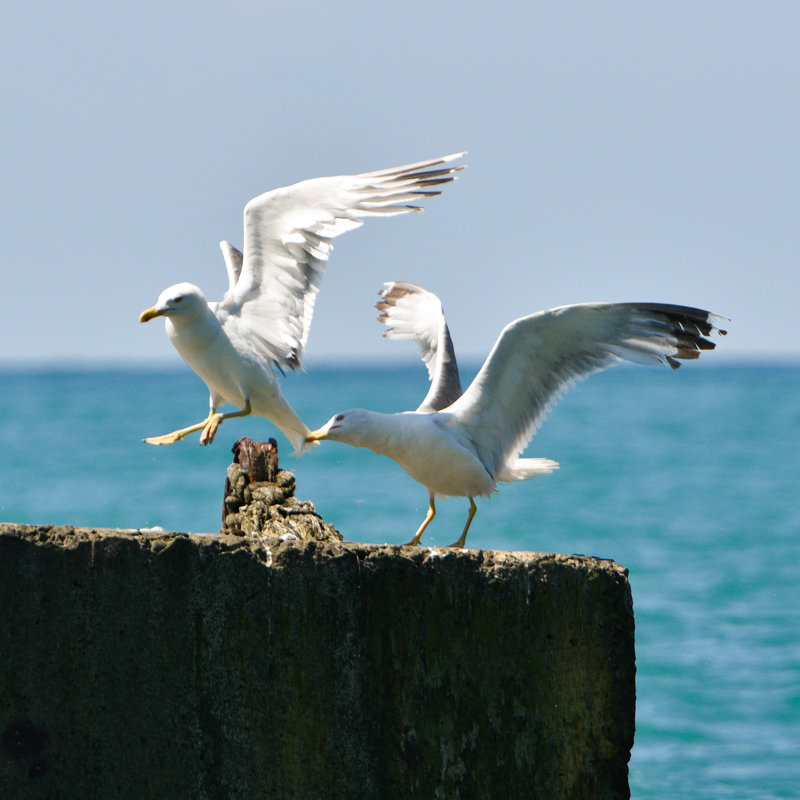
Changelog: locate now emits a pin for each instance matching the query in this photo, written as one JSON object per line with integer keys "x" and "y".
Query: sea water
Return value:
{"x": 689, "y": 479}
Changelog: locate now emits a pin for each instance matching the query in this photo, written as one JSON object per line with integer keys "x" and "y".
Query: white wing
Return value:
{"x": 538, "y": 357}
{"x": 233, "y": 262}
{"x": 287, "y": 240}
{"x": 415, "y": 314}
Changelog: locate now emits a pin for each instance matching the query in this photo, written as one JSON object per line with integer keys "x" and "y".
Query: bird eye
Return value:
{"x": 179, "y": 299}
{"x": 340, "y": 418}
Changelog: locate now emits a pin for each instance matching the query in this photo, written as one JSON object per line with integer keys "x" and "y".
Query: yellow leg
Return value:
{"x": 209, "y": 427}
{"x": 215, "y": 420}
{"x": 176, "y": 436}
{"x": 463, "y": 538}
{"x": 428, "y": 517}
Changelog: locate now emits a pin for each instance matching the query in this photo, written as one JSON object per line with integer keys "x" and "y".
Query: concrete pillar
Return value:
{"x": 142, "y": 665}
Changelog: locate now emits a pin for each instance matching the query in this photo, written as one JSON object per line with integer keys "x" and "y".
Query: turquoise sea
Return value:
{"x": 690, "y": 479}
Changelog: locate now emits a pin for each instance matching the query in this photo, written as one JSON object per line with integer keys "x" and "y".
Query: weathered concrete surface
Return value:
{"x": 174, "y": 666}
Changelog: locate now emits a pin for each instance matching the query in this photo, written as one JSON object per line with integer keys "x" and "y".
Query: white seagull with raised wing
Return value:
{"x": 464, "y": 448}
{"x": 263, "y": 320}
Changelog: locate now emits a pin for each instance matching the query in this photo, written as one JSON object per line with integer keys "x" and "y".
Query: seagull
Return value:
{"x": 468, "y": 446}
{"x": 262, "y": 322}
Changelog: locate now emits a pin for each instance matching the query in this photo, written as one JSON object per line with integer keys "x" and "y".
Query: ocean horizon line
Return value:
{"x": 167, "y": 365}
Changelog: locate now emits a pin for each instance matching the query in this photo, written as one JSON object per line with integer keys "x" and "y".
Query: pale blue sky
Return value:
{"x": 617, "y": 151}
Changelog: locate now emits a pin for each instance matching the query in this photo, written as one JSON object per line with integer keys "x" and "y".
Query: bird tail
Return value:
{"x": 521, "y": 469}
{"x": 303, "y": 447}
{"x": 297, "y": 436}
{"x": 292, "y": 427}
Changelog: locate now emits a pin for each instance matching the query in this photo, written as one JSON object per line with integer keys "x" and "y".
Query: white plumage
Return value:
{"x": 466, "y": 447}
{"x": 263, "y": 320}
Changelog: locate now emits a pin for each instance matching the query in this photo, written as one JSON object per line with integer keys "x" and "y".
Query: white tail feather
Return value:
{"x": 523, "y": 468}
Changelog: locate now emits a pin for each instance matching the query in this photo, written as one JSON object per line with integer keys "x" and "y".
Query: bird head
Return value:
{"x": 347, "y": 426}
{"x": 182, "y": 299}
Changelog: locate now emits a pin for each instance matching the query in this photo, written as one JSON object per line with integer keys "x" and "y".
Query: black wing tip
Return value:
{"x": 690, "y": 326}
{"x": 423, "y": 168}
{"x": 433, "y": 176}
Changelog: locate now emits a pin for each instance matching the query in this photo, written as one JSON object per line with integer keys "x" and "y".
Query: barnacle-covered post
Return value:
{"x": 259, "y": 497}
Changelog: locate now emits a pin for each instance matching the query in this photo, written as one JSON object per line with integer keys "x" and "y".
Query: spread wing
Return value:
{"x": 415, "y": 314}
{"x": 537, "y": 358}
{"x": 288, "y": 235}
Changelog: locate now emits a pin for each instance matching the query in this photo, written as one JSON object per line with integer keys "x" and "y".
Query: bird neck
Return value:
{"x": 381, "y": 433}
{"x": 192, "y": 332}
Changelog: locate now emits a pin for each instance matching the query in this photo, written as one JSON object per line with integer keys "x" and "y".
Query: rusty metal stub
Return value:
{"x": 259, "y": 460}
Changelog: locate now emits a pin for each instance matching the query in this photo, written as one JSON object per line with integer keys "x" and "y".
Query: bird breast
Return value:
{"x": 433, "y": 454}
{"x": 231, "y": 373}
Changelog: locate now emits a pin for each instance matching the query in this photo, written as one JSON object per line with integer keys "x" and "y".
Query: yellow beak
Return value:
{"x": 149, "y": 314}
{"x": 316, "y": 436}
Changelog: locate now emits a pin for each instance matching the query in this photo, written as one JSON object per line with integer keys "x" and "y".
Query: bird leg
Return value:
{"x": 463, "y": 538}
{"x": 209, "y": 427}
{"x": 428, "y": 517}
{"x": 176, "y": 436}
{"x": 215, "y": 419}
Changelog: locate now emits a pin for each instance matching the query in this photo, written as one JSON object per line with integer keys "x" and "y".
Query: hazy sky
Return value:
{"x": 617, "y": 151}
